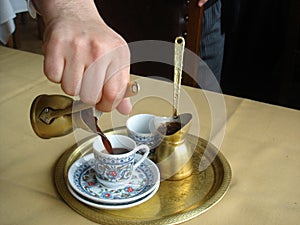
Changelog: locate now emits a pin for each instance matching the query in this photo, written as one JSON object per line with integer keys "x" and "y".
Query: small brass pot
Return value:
{"x": 174, "y": 154}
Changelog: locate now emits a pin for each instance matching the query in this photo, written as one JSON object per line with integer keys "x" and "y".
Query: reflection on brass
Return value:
{"x": 48, "y": 115}
{"x": 173, "y": 155}
{"x": 59, "y": 126}
{"x": 57, "y": 115}
{"x": 178, "y": 62}
{"x": 175, "y": 201}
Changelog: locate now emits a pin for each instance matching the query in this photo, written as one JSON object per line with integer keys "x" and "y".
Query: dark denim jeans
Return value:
{"x": 212, "y": 40}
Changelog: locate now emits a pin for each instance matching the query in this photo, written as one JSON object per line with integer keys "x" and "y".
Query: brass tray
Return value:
{"x": 175, "y": 201}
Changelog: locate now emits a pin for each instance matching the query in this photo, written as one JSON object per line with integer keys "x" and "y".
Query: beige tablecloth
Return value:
{"x": 261, "y": 143}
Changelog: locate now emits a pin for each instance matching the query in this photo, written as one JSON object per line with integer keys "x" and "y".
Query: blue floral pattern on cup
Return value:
{"x": 113, "y": 172}
{"x": 83, "y": 179}
{"x": 151, "y": 140}
{"x": 141, "y": 129}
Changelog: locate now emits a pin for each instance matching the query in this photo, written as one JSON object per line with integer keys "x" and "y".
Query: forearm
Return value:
{"x": 82, "y": 9}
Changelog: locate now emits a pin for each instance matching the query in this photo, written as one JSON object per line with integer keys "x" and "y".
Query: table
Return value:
{"x": 8, "y": 11}
{"x": 261, "y": 143}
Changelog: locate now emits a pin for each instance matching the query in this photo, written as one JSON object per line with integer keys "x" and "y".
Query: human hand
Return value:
{"x": 86, "y": 56}
{"x": 201, "y": 2}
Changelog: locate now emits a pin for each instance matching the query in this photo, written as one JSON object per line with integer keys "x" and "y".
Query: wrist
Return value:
{"x": 51, "y": 9}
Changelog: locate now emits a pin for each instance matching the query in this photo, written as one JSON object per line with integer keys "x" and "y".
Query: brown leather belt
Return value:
{"x": 209, "y": 3}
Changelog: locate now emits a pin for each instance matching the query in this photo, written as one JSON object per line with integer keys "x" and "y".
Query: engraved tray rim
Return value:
{"x": 101, "y": 217}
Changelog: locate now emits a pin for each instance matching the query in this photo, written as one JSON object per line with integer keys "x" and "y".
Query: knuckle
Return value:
{"x": 53, "y": 41}
{"x": 78, "y": 44}
{"x": 113, "y": 93}
{"x": 88, "y": 99}
{"x": 69, "y": 88}
{"x": 111, "y": 96}
{"x": 53, "y": 78}
{"x": 52, "y": 73}
{"x": 116, "y": 45}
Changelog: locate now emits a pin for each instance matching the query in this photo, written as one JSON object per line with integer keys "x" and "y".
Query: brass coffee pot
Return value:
{"x": 174, "y": 154}
{"x": 58, "y": 115}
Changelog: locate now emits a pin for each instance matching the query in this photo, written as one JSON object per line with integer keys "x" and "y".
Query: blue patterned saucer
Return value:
{"x": 82, "y": 179}
{"x": 116, "y": 206}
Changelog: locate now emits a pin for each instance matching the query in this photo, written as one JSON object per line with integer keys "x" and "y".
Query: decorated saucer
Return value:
{"x": 82, "y": 179}
{"x": 109, "y": 206}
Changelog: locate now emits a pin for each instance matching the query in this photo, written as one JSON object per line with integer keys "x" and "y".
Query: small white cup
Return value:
{"x": 141, "y": 129}
{"x": 115, "y": 170}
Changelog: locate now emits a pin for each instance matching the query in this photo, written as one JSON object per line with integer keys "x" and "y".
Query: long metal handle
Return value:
{"x": 48, "y": 114}
{"x": 178, "y": 62}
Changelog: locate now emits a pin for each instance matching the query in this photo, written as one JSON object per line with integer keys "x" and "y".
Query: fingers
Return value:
{"x": 125, "y": 106}
{"x": 54, "y": 63}
{"x": 105, "y": 81}
{"x": 89, "y": 61}
{"x": 65, "y": 68}
{"x": 113, "y": 92}
{"x": 71, "y": 79}
{"x": 93, "y": 81}
{"x": 201, "y": 2}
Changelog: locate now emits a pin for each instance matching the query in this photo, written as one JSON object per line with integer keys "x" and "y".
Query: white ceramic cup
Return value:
{"x": 140, "y": 128}
{"x": 115, "y": 170}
